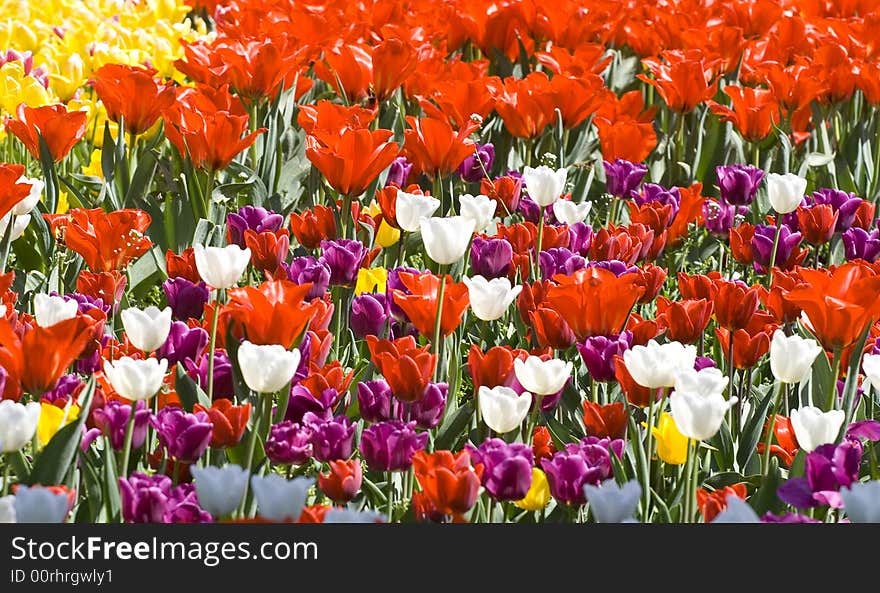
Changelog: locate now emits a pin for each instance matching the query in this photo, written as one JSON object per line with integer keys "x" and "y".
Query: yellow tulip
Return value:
{"x": 16, "y": 87}
{"x": 671, "y": 445}
{"x": 387, "y": 235}
{"x": 67, "y": 77}
{"x": 94, "y": 167}
{"x": 51, "y": 418}
{"x": 63, "y": 205}
{"x": 539, "y": 493}
{"x": 370, "y": 280}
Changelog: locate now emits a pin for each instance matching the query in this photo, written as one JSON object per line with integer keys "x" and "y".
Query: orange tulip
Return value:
{"x": 61, "y": 129}
{"x": 268, "y": 249}
{"x": 353, "y": 159}
{"x": 310, "y": 227}
{"x": 107, "y": 241}
{"x": 525, "y": 105}
{"x": 272, "y": 313}
{"x": 608, "y": 421}
{"x": 11, "y": 191}
{"x": 735, "y": 304}
{"x": 712, "y": 503}
{"x": 421, "y": 305}
{"x": 132, "y": 94}
{"x": 494, "y": 367}
{"x": 754, "y": 113}
{"x": 683, "y": 78}
{"x": 685, "y": 321}
{"x": 228, "y": 422}
{"x": 325, "y": 119}
{"x": 741, "y": 243}
{"x": 817, "y": 223}
{"x": 750, "y": 343}
{"x": 183, "y": 265}
{"x": 407, "y": 369}
{"x": 448, "y": 480}
{"x": 434, "y": 147}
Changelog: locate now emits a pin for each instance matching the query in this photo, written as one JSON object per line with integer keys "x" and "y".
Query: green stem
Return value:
{"x": 594, "y": 391}
{"x": 129, "y": 432}
{"x": 212, "y": 347}
{"x": 176, "y": 474}
{"x": 435, "y": 345}
{"x": 539, "y": 243}
{"x": 389, "y": 496}
{"x": 7, "y": 243}
{"x": 694, "y": 447}
{"x": 209, "y": 189}
{"x": 6, "y": 469}
{"x": 830, "y": 403}
{"x": 649, "y": 446}
{"x": 774, "y": 408}
{"x": 252, "y": 443}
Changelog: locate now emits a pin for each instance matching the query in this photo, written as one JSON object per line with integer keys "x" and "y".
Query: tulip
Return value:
{"x": 586, "y": 462}
{"x": 219, "y": 489}
{"x": 376, "y": 403}
{"x": 136, "y": 379}
{"x": 738, "y": 183}
{"x": 279, "y": 499}
{"x": 567, "y": 212}
{"x": 51, "y": 310}
{"x": 862, "y": 501}
{"x": 289, "y": 443}
{"x": 871, "y": 368}
{"x": 539, "y": 493}
{"x": 860, "y": 244}
{"x": 152, "y": 499}
{"x": 331, "y": 438}
{"x": 706, "y": 382}
{"x": 113, "y": 418}
{"x": 308, "y": 269}
{"x": 183, "y": 436}
{"x": 502, "y": 408}
{"x": 147, "y": 329}
{"x": 428, "y": 411}
{"x": 267, "y": 368}
{"x": 19, "y": 225}
{"x": 479, "y": 208}
{"x": 183, "y": 342}
{"x": 785, "y": 191}
{"x": 369, "y": 313}
{"x": 623, "y": 177}
{"x": 655, "y": 365}
{"x": 185, "y": 298}
{"x": 29, "y": 202}
{"x": 544, "y": 185}
{"x": 448, "y": 481}
{"x": 475, "y": 167}
{"x": 53, "y": 418}
{"x": 7, "y": 509}
{"x": 252, "y": 218}
{"x": 18, "y": 423}
{"x": 343, "y": 482}
{"x": 491, "y": 258}
{"x": 598, "y": 353}
{"x": 410, "y": 209}
{"x": 542, "y": 377}
{"x": 698, "y": 416}
{"x": 221, "y": 267}
{"x": 390, "y": 446}
{"x": 791, "y": 357}
{"x": 371, "y": 280}
{"x": 611, "y": 503}
{"x": 446, "y": 239}
{"x": 490, "y": 299}
{"x": 344, "y": 258}
{"x": 607, "y": 420}
{"x": 398, "y": 172}
{"x": 507, "y": 468}
{"x": 39, "y": 504}
{"x": 672, "y": 446}
{"x": 813, "y": 427}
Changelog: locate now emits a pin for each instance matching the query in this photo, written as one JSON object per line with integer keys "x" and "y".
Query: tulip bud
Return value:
{"x": 51, "y": 310}
{"x": 410, "y": 209}
{"x": 544, "y": 185}
{"x": 343, "y": 482}
{"x": 568, "y": 212}
{"x": 611, "y": 503}
{"x": 542, "y": 377}
{"x": 147, "y": 329}
{"x": 737, "y": 511}
{"x": 502, "y": 408}
{"x": 699, "y": 416}
{"x": 136, "y": 379}
{"x": 267, "y": 368}
{"x": 862, "y": 501}
{"x": 871, "y": 368}
{"x": 39, "y": 504}
{"x": 785, "y": 191}
{"x": 705, "y": 382}
{"x": 813, "y": 427}
{"x": 446, "y": 239}
{"x": 490, "y": 299}
{"x": 791, "y": 357}
{"x": 219, "y": 489}
{"x": 18, "y": 423}
{"x": 30, "y": 201}
{"x": 390, "y": 446}
{"x": 279, "y": 499}
{"x": 656, "y": 365}
{"x": 623, "y": 177}
{"x": 19, "y": 224}
{"x": 221, "y": 267}
{"x": 479, "y": 208}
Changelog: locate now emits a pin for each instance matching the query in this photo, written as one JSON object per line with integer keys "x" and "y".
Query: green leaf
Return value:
{"x": 723, "y": 445}
{"x": 852, "y": 379}
{"x": 189, "y": 392}
{"x": 751, "y": 433}
{"x": 53, "y": 461}
{"x": 765, "y": 499}
{"x": 454, "y": 426}
{"x": 143, "y": 178}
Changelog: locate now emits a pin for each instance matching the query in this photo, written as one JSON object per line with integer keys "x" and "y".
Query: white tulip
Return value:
{"x": 567, "y": 212}
{"x": 706, "y": 382}
{"x": 490, "y": 298}
{"x": 30, "y": 201}
{"x": 410, "y": 209}
{"x": 267, "y": 368}
{"x": 37, "y": 504}
{"x": 279, "y": 499}
{"x": 611, "y": 503}
{"x": 791, "y": 357}
{"x": 871, "y": 366}
{"x": 813, "y": 427}
{"x": 544, "y": 185}
{"x": 699, "y": 416}
{"x": 219, "y": 489}
{"x": 862, "y": 501}
{"x": 502, "y": 408}
{"x": 446, "y": 239}
{"x": 542, "y": 377}
{"x": 19, "y": 225}
{"x": 18, "y": 423}
{"x": 52, "y": 310}
{"x": 221, "y": 267}
{"x": 147, "y": 329}
{"x": 478, "y": 208}
{"x": 7, "y": 509}
{"x": 737, "y": 511}
{"x": 656, "y": 365}
{"x": 785, "y": 191}
{"x": 136, "y": 379}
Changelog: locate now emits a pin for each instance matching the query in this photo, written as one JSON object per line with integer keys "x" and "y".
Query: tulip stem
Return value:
{"x": 7, "y": 243}
{"x": 212, "y": 347}
{"x": 389, "y": 496}
{"x": 129, "y": 432}
{"x": 774, "y": 408}
{"x": 773, "y": 253}
{"x": 538, "y": 244}
{"x": 649, "y": 445}
{"x": 435, "y": 346}
{"x": 176, "y": 473}
{"x": 835, "y": 372}
{"x": 6, "y": 467}
{"x": 252, "y": 444}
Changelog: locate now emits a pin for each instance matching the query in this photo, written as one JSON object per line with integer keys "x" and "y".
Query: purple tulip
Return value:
{"x": 398, "y": 172}
{"x": 762, "y": 246}
{"x": 651, "y": 192}
{"x": 529, "y": 209}
{"x": 738, "y": 183}
{"x": 183, "y": 342}
{"x": 113, "y": 418}
{"x": 375, "y": 402}
{"x": 623, "y": 177}
{"x": 720, "y": 217}
{"x": 85, "y": 303}
{"x": 428, "y": 411}
{"x": 93, "y": 363}
{"x": 308, "y": 269}
{"x": 187, "y": 300}
{"x": 614, "y": 265}
{"x": 223, "y": 385}
{"x": 860, "y": 244}
{"x": 344, "y": 258}
{"x": 491, "y": 258}
{"x": 302, "y": 402}
{"x": 507, "y": 468}
{"x": 185, "y": 436}
{"x": 331, "y": 439}
{"x": 828, "y": 469}
{"x": 787, "y": 518}
{"x": 250, "y": 218}
{"x": 559, "y": 260}
{"x": 598, "y": 353}
{"x": 390, "y": 446}
{"x": 369, "y": 312}
{"x": 864, "y": 429}
{"x": 66, "y": 387}
{"x": 289, "y": 443}
{"x": 151, "y": 499}
{"x": 845, "y": 203}
{"x": 704, "y": 362}
{"x": 580, "y": 238}
{"x": 586, "y": 462}
{"x": 471, "y": 169}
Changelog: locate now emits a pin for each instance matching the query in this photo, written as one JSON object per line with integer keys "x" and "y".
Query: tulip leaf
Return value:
{"x": 112, "y": 501}
{"x": 765, "y": 499}
{"x": 751, "y": 432}
{"x": 188, "y": 391}
{"x": 242, "y": 391}
{"x": 852, "y": 379}
{"x": 559, "y": 433}
{"x": 722, "y": 444}
{"x": 52, "y": 463}
{"x": 454, "y": 426}
{"x": 142, "y": 179}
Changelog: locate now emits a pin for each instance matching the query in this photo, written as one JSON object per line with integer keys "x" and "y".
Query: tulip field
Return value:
{"x": 581, "y": 261}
